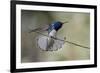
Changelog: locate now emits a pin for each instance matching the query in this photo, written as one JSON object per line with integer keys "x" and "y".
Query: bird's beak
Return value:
{"x": 65, "y": 22}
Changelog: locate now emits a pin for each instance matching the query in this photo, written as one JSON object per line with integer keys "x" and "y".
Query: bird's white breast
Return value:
{"x": 53, "y": 33}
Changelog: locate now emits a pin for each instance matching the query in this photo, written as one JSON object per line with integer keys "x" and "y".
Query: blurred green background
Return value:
{"x": 76, "y": 30}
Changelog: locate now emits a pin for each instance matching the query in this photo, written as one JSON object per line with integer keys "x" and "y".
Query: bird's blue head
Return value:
{"x": 57, "y": 25}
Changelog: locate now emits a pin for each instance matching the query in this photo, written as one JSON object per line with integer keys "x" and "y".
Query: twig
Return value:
{"x": 63, "y": 40}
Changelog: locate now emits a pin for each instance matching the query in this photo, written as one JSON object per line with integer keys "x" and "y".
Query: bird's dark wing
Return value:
{"x": 43, "y": 28}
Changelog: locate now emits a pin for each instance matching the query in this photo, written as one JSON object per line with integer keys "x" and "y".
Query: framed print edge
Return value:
{"x": 13, "y": 36}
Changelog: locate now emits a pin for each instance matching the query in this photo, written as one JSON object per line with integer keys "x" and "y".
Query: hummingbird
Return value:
{"x": 50, "y": 42}
{"x": 52, "y": 30}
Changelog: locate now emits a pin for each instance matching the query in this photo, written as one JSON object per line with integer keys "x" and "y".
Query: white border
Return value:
{"x": 20, "y": 65}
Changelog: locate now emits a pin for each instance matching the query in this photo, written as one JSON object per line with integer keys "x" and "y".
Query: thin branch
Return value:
{"x": 63, "y": 40}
